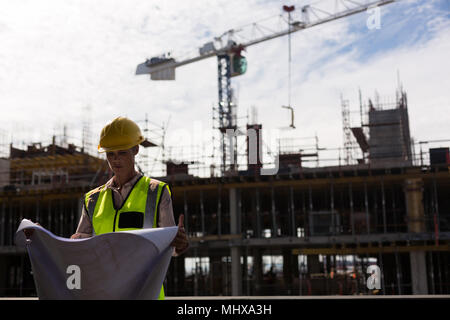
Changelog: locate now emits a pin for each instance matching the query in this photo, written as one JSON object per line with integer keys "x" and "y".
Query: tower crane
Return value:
{"x": 231, "y": 61}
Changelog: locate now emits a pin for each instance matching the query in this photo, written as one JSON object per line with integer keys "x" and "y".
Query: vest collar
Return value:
{"x": 111, "y": 183}
{"x": 136, "y": 180}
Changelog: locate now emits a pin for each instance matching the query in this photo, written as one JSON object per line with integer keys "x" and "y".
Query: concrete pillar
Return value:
{"x": 257, "y": 271}
{"x": 236, "y": 269}
{"x": 179, "y": 274}
{"x": 4, "y": 275}
{"x": 419, "y": 272}
{"x": 236, "y": 272}
{"x": 216, "y": 274}
{"x": 414, "y": 205}
{"x": 2, "y": 225}
{"x": 313, "y": 264}
{"x": 416, "y": 224}
{"x": 290, "y": 270}
{"x": 273, "y": 211}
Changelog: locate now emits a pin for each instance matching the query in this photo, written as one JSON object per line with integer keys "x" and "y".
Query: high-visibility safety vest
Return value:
{"x": 139, "y": 210}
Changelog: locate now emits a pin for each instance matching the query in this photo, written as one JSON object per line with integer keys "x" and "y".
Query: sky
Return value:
{"x": 67, "y": 63}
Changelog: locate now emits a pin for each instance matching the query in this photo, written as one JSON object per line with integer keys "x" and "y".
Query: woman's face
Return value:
{"x": 121, "y": 161}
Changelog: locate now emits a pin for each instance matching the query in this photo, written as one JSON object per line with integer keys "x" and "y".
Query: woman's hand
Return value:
{"x": 29, "y": 232}
{"x": 181, "y": 242}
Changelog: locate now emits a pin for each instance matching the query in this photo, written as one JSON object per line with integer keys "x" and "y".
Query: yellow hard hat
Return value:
{"x": 120, "y": 134}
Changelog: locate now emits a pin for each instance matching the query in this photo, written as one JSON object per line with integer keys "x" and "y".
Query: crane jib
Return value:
{"x": 295, "y": 26}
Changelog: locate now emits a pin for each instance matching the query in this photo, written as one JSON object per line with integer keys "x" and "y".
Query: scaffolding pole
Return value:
{"x": 383, "y": 204}
{"x": 351, "y": 209}
{"x": 258, "y": 214}
{"x": 273, "y": 211}
{"x": 292, "y": 211}
{"x": 333, "y": 214}
{"x": 219, "y": 211}
{"x": 366, "y": 206}
{"x": 202, "y": 213}
{"x": 185, "y": 210}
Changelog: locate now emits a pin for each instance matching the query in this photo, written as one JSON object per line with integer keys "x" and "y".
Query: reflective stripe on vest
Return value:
{"x": 139, "y": 210}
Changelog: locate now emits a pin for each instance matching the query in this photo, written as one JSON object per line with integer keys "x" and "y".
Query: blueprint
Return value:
{"x": 117, "y": 265}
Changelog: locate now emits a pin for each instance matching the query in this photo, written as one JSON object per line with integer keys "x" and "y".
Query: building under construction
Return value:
{"x": 306, "y": 230}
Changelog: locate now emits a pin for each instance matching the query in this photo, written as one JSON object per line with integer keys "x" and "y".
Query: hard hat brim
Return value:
{"x": 117, "y": 148}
